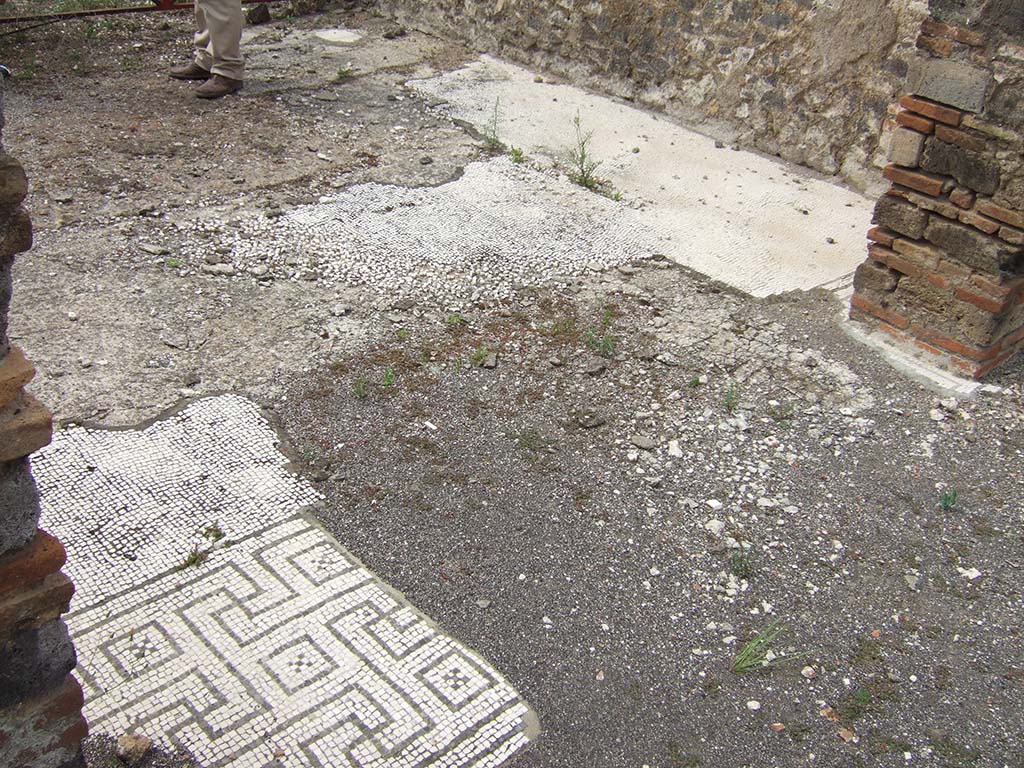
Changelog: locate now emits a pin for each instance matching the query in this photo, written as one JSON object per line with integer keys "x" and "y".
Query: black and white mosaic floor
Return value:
{"x": 212, "y": 612}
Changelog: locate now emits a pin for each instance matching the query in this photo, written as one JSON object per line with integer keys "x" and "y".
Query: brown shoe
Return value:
{"x": 189, "y": 72}
{"x": 218, "y": 86}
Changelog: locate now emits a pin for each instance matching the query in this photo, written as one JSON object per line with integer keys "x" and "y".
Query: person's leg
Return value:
{"x": 224, "y": 20}
{"x": 202, "y": 60}
{"x": 201, "y": 41}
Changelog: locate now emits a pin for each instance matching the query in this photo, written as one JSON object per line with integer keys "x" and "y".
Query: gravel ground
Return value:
{"x": 101, "y": 752}
{"x": 612, "y": 530}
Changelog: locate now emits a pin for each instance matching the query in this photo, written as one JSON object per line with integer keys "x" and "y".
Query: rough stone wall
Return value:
{"x": 41, "y": 723}
{"x": 946, "y": 260}
{"x": 807, "y": 80}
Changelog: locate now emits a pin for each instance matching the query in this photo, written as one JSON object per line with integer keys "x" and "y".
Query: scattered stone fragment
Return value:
{"x": 715, "y": 526}
{"x": 777, "y": 727}
{"x": 595, "y": 366}
{"x": 643, "y": 442}
{"x": 483, "y": 603}
{"x": 809, "y": 672}
{"x": 154, "y": 249}
{"x": 753, "y": 705}
{"x": 132, "y": 747}
{"x": 591, "y": 419}
{"x": 226, "y": 270}
{"x": 257, "y": 14}
{"x": 490, "y": 360}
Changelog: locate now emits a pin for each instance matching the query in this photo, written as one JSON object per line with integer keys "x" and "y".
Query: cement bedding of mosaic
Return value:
{"x": 278, "y": 649}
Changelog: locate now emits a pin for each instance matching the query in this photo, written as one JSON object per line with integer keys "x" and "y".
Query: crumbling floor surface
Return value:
{"x": 599, "y": 470}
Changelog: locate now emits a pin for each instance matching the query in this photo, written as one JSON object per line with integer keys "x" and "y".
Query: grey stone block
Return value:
{"x": 900, "y": 216}
{"x": 972, "y": 170}
{"x": 874, "y": 278}
{"x": 33, "y": 660}
{"x": 905, "y": 147}
{"x": 974, "y": 249}
{"x": 19, "y": 505}
{"x": 949, "y": 82}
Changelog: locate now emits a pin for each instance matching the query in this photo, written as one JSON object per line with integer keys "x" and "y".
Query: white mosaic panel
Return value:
{"x": 279, "y": 650}
{"x": 131, "y": 504}
{"x": 496, "y": 226}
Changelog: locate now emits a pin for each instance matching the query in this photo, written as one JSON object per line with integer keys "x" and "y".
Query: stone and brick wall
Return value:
{"x": 807, "y": 81}
{"x": 41, "y": 724}
{"x": 945, "y": 267}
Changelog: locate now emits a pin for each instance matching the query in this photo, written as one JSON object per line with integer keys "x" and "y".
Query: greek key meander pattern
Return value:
{"x": 278, "y": 649}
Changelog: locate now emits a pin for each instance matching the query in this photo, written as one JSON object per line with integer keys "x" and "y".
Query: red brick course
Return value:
{"x": 994, "y": 306}
{"x": 952, "y": 32}
{"x": 875, "y": 310}
{"x": 915, "y": 122}
{"x": 933, "y": 110}
{"x": 15, "y": 373}
{"x": 960, "y": 138}
{"x": 1000, "y": 213}
{"x": 31, "y": 564}
{"x": 25, "y": 426}
{"x": 928, "y": 183}
{"x": 36, "y": 605}
{"x": 882, "y": 236}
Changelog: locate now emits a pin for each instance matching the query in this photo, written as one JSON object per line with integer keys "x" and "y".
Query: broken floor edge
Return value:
{"x": 531, "y": 720}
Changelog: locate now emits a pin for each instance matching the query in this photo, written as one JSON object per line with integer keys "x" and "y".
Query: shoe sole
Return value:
{"x": 217, "y": 95}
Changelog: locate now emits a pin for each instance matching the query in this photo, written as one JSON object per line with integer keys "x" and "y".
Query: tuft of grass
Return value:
{"x": 213, "y": 532}
{"x": 947, "y": 501}
{"x": 582, "y": 165}
{"x": 360, "y": 388}
{"x": 516, "y": 155}
{"x": 492, "y": 129}
{"x": 388, "y": 378}
{"x": 754, "y": 653}
{"x": 603, "y": 343}
{"x": 173, "y": 263}
{"x": 403, "y": 334}
{"x": 781, "y": 414}
{"x": 479, "y": 355}
{"x": 732, "y": 397}
{"x": 455, "y": 320}
{"x": 194, "y": 558}
{"x": 345, "y": 72}
{"x": 695, "y": 382}
{"x": 740, "y": 565}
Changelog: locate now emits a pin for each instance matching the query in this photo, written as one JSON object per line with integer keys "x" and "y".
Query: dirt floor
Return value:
{"x": 608, "y": 485}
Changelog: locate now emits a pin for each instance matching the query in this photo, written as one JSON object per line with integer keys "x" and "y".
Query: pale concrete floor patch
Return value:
{"x": 212, "y": 613}
{"x": 752, "y": 222}
{"x": 339, "y": 36}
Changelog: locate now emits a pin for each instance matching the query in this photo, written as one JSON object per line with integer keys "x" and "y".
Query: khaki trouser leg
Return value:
{"x": 218, "y": 37}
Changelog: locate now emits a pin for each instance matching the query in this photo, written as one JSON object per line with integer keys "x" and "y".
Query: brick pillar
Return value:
{"x": 41, "y": 724}
{"x": 945, "y": 267}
